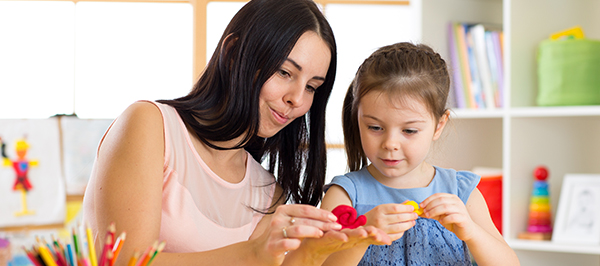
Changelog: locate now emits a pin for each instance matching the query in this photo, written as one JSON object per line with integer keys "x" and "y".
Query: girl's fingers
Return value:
{"x": 400, "y": 227}
{"x": 432, "y": 198}
{"x": 442, "y": 204}
{"x": 396, "y": 208}
{"x": 358, "y": 232}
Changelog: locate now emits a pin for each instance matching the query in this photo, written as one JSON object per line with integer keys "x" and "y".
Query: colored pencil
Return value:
{"x": 33, "y": 258}
{"x": 109, "y": 257}
{"x": 133, "y": 258}
{"x": 107, "y": 247}
{"x": 117, "y": 247}
{"x": 36, "y": 252}
{"x": 85, "y": 262}
{"x": 146, "y": 256}
{"x": 91, "y": 247}
{"x": 58, "y": 252}
{"x": 112, "y": 231}
{"x": 160, "y": 248}
{"x": 72, "y": 255}
{"x": 47, "y": 256}
{"x": 75, "y": 243}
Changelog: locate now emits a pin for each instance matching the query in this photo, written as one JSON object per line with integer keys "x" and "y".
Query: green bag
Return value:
{"x": 569, "y": 72}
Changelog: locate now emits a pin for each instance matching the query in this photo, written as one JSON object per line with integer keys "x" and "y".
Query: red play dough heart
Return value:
{"x": 347, "y": 217}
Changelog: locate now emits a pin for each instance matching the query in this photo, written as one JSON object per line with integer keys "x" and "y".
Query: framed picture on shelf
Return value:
{"x": 578, "y": 216}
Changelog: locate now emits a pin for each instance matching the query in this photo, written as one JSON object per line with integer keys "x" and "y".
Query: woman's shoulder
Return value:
{"x": 140, "y": 120}
{"x": 144, "y": 110}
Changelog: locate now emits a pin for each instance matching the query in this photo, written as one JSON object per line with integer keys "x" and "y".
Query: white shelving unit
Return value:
{"x": 521, "y": 136}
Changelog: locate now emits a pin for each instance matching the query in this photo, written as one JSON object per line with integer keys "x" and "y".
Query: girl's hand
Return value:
{"x": 288, "y": 226}
{"x": 334, "y": 241}
{"x": 314, "y": 251}
{"x": 393, "y": 219}
{"x": 451, "y": 212}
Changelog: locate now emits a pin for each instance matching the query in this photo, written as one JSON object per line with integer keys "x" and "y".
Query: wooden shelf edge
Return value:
{"x": 32, "y": 227}
{"x": 549, "y": 246}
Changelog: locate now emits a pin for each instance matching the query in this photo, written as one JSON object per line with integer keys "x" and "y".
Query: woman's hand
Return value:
{"x": 451, "y": 212}
{"x": 289, "y": 226}
{"x": 393, "y": 219}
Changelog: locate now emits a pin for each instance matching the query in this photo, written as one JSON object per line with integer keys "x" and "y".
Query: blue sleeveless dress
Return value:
{"x": 428, "y": 242}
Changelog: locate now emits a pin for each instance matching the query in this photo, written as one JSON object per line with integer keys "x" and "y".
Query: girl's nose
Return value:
{"x": 391, "y": 143}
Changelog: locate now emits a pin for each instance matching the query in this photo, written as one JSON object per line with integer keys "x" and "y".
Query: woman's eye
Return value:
{"x": 375, "y": 128}
{"x": 284, "y": 73}
{"x": 311, "y": 89}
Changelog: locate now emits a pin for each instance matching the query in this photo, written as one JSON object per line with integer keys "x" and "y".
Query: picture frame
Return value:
{"x": 578, "y": 216}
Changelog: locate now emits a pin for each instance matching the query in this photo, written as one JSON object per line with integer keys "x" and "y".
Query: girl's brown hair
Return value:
{"x": 401, "y": 71}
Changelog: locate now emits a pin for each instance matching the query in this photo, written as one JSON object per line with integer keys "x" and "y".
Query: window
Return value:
{"x": 130, "y": 51}
{"x": 58, "y": 57}
{"x": 63, "y": 57}
{"x": 36, "y": 58}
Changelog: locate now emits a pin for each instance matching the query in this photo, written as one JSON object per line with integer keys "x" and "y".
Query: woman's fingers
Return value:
{"x": 295, "y": 215}
{"x": 307, "y": 212}
{"x": 290, "y": 224}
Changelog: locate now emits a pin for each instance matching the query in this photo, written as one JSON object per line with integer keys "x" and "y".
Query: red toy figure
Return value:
{"x": 347, "y": 217}
{"x": 21, "y": 166}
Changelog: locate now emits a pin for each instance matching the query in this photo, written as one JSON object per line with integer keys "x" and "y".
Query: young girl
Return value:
{"x": 393, "y": 111}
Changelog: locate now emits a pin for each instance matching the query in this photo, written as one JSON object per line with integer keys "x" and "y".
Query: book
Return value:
{"x": 464, "y": 65}
{"x": 491, "y": 55}
{"x": 483, "y": 65}
{"x": 498, "y": 49}
{"x": 455, "y": 69}
{"x": 476, "y": 87}
{"x": 475, "y": 63}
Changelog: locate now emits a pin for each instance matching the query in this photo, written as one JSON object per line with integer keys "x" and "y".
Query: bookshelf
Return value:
{"x": 521, "y": 135}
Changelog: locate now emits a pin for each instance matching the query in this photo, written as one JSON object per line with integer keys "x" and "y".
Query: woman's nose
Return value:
{"x": 295, "y": 96}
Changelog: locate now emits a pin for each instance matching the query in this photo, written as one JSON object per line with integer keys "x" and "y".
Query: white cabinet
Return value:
{"x": 521, "y": 136}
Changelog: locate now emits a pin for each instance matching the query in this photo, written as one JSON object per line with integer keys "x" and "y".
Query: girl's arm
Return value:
{"x": 126, "y": 188}
{"x": 471, "y": 223}
{"x": 487, "y": 245}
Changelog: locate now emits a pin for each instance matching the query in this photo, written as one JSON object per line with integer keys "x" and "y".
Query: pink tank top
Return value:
{"x": 201, "y": 211}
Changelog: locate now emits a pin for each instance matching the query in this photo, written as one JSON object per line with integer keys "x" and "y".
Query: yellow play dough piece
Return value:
{"x": 418, "y": 209}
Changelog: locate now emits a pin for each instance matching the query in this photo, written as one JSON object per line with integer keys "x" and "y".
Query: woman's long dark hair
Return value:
{"x": 224, "y": 103}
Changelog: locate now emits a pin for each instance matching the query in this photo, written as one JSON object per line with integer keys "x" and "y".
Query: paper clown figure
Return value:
{"x": 21, "y": 167}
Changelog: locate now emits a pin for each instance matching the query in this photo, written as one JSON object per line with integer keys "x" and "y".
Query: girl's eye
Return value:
{"x": 310, "y": 89}
{"x": 375, "y": 128}
{"x": 410, "y": 131}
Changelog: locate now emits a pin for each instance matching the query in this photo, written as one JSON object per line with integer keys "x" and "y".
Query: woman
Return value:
{"x": 187, "y": 170}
